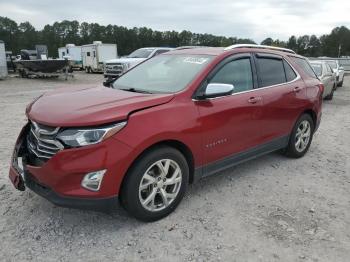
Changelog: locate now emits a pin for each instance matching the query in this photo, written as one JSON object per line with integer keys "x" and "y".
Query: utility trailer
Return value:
{"x": 73, "y": 53}
{"x": 96, "y": 54}
{"x": 3, "y": 63}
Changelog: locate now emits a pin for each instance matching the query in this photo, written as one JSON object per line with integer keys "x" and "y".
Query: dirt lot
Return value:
{"x": 269, "y": 209}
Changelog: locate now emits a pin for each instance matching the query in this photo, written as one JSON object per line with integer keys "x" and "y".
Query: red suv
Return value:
{"x": 168, "y": 122}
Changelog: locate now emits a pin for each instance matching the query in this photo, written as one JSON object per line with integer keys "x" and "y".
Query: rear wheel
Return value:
{"x": 301, "y": 137}
{"x": 156, "y": 184}
{"x": 340, "y": 84}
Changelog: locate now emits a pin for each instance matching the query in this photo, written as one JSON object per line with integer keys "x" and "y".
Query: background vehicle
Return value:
{"x": 339, "y": 71}
{"x": 345, "y": 63}
{"x": 116, "y": 67}
{"x": 327, "y": 77}
{"x": 96, "y": 54}
{"x": 3, "y": 63}
{"x": 167, "y": 122}
{"x": 73, "y": 53}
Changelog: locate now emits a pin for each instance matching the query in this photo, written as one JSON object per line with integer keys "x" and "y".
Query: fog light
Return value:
{"x": 92, "y": 181}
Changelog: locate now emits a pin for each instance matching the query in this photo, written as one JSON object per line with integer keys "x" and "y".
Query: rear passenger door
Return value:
{"x": 283, "y": 93}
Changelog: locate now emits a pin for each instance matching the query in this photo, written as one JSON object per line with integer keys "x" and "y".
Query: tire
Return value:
{"x": 142, "y": 184}
{"x": 86, "y": 70}
{"x": 340, "y": 84}
{"x": 296, "y": 151}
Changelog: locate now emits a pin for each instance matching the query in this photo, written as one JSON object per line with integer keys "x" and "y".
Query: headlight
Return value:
{"x": 84, "y": 137}
{"x": 126, "y": 66}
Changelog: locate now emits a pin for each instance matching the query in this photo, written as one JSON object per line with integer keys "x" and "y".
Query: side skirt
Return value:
{"x": 241, "y": 157}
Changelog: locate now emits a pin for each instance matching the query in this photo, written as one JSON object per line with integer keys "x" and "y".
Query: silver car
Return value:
{"x": 327, "y": 77}
{"x": 338, "y": 69}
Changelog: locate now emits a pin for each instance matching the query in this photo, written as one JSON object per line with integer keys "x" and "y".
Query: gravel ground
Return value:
{"x": 269, "y": 209}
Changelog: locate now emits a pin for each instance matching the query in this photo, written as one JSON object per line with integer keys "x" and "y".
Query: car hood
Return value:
{"x": 126, "y": 60}
{"x": 88, "y": 106}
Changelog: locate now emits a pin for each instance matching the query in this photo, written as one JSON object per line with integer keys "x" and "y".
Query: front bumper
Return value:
{"x": 59, "y": 178}
{"x": 100, "y": 204}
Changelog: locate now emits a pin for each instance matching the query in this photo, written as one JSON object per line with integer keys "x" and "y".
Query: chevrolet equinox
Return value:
{"x": 164, "y": 124}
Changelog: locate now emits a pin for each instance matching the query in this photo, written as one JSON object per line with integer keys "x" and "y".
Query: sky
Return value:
{"x": 252, "y": 19}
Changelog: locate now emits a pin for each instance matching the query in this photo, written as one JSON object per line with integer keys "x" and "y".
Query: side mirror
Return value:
{"x": 217, "y": 89}
{"x": 109, "y": 82}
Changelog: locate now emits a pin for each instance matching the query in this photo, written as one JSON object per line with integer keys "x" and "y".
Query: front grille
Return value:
{"x": 41, "y": 141}
{"x": 116, "y": 68}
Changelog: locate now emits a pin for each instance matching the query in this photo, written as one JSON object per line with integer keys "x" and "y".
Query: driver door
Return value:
{"x": 230, "y": 124}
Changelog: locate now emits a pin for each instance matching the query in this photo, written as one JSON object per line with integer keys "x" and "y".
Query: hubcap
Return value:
{"x": 302, "y": 136}
{"x": 160, "y": 185}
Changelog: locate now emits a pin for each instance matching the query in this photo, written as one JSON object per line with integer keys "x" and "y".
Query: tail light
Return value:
{"x": 321, "y": 86}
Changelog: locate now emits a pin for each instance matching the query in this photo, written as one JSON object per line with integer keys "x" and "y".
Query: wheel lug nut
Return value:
{"x": 164, "y": 179}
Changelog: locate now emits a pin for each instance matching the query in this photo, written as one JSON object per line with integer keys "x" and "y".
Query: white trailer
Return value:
{"x": 95, "y": 54}
{"x": 3, "y": 63}
{"x": 73, "y": 53}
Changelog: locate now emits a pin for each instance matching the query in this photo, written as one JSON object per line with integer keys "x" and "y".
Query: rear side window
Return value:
{"x": 237, "y": 73}
{"x": 271, "y": 71}
{"x": 329, "y": 69}
{"x": 304, "y": 64}
{"x": 290, "y": 74}
{"x": 317, "y": 68}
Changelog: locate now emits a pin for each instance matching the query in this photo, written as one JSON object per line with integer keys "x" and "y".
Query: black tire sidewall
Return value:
{"x": 291, "y": 149}
{"x": 130, "y": 189}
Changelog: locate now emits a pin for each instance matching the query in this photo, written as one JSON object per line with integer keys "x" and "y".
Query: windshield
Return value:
{"x": 332, "y": 64}
{"x": 317, "y": 68}
{"x": 163, "y": 74}
{"x": 141, "y": 53}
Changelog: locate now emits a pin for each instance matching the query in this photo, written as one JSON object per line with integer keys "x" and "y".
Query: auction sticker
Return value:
{"x": 195, "y": 60}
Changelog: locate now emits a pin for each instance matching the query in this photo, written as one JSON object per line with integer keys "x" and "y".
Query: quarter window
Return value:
{"x": 304, "y": 64}
{"x": 290, "y": 74}
{"x": 237, "y": 73}
{"x": 271, "y": 71}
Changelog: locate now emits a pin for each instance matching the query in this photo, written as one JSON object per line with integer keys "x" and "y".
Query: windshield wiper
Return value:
{"x": 131, "y": 89}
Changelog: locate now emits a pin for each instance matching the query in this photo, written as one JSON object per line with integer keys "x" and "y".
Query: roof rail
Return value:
{"x": 260, "y": 46}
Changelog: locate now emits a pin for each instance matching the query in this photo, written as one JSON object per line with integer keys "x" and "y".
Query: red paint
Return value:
{"x": 210, "y": 129}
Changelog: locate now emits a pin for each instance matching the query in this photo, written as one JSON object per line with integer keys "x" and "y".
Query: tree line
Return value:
{"x": 25, "y": 36}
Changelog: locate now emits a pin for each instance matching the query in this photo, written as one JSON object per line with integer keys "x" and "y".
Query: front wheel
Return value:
{"x": 156, "y": 184}
{"x": 301, "y": 137}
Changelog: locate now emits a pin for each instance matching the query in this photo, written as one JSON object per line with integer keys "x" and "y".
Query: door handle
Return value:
{"x": 254, "y": 100}
{"x": 297, "y": 89}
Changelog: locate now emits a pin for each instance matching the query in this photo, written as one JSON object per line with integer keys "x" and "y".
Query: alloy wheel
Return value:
{"x": 302, "y": 136}
{"x": 160, "y": 185}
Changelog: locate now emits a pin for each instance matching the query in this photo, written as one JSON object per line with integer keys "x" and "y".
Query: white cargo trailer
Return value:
{"x": 73, "y": 53}
{"x": 95, "y": 54}
{"x": 3, "y": 64}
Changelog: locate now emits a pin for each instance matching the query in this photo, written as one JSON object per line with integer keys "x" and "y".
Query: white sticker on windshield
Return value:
{"x": 195, "y": 60}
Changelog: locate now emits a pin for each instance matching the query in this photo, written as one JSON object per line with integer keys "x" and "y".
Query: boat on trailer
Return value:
{"x": 30, "y": 65}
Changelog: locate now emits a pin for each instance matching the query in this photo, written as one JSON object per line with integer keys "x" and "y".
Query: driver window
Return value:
{"x": 237, "y": 73}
